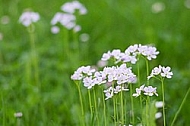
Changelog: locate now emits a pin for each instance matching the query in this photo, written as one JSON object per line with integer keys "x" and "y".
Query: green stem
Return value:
{"x": 104, "y": 105}
{"x": 147, "y": 71}
{"x": 114, "y": 110}
{"x": 147, "y": 111}
{"x": 177, "y": 113}
{"x": 95, "y": 106}
{"x": 132, "y": 106}
{"x": 31, "y": 30}
{"x": 163, "y": 100}
{"x": 81, "y": 103}
{"x": 122, "y": 111}
{"x": 90, "y": 103}
{"x": 3, "y": 109}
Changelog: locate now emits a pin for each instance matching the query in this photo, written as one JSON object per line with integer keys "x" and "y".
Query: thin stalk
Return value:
{"x": 147, "y": 71}
{"x": 114, "y": 110}
{"x": 66, "y": 42}
{"x": 122, "y": 111}
{"x": 90, "y": 103}
{"x": 163, "y": 100}
{"x": 147, "y": 111}
{"x": 81, "y": 103}
{"x": 139, "y": 81}
{"x": 95, "y": 106}
{"x": 178, "y": 111}
{"x": 132, "y": 106}
{"x": 104, "y": 105}
{"x": 34, "y": 55}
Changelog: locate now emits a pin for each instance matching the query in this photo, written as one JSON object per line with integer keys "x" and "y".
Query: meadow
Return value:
{"x": 36, "y": 65}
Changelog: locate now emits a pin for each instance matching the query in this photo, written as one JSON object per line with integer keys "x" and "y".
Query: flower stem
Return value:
{"x": 90, "y": 103}
{"x": 163, "y": 100}
{"x": 122, "y": 111}
{"x": 114, "y": 110}
{"x": 95, "y": 106}
{"x": 132, "y": 106}
{"x": 81, "y": 103}
{"x": 104, "y": 105}
{"x": 180, "y": 107}
{"x": 147, "y": 71}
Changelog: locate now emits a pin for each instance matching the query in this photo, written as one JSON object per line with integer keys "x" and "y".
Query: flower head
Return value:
{"x": 150, "y": 91}
{"x": 28, "y": 18}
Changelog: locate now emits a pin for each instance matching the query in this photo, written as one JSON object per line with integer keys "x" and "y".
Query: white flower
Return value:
{"x": 18, "y": 114}
{"x": 82, "y": 72}
{"x": 159, "y": 104}
{"x": 150, "y": 91}
{"x": 138, "y": 91}
{"x": 106, "y": 56}
{"x": 166, "y": 72}
{"x": 55, "y": 29}
{"x": 66, "y": 20}
{"x": 163, "y": 71}
{"x": 77, "y": 28}
{"x": 88, "y": 82}
{"x": 119, "y": 88}
{"x": 28, "y": 18}
{"x": 158, "y": 115}
{"x": 71, "y": 7}
{"x": 109, "y": 93}
{"x": 158, "y": 7}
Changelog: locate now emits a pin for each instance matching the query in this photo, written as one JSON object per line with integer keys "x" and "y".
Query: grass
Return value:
{"x": 110, "y": 24}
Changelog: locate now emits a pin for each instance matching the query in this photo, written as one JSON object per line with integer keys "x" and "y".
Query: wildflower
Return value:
{"x": 71, "y": 7}
{"x": 166, "y": 72}
{"x": 84, "y": 37}
{"x": 158, "y": 115}
{"x": 55, "y": 29}
{"x": 18, "y": 114}
{"x": 109, "y": 93}
{"x": 138, "y": 91}
{"x": 66, "y": 20}
{"x": 158, "y": 7}
{"x": 106, "y": 56}
{"x": 159, "y": 104}
{"x": 28, "y": 18}
{"x": 81, "y": 72}
{"x": 77, "y": 28}
{"x": 119, "y": 88}
{"x": 150, "y": 91}
{"x": 88, "y": 82}
{"x": 163, "y": 71}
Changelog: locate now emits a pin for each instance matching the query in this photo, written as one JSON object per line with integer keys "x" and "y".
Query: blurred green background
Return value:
{"x": 110, "y": 24}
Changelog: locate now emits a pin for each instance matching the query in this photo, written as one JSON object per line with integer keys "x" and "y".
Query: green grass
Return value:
{"x": 110, "y": 24}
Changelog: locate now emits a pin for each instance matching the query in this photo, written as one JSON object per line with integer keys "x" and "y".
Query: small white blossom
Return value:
{"x": 55, "y": 29}
{"x": 159, "y": 104}
{"x": 150, "y": 91}
{"x": 28, "y": 18}
{"x": 158, "y": 115}
{"x": 163, "y": 71}
{"x": 18, "y": 114}
{"x": 88, "y": 82}
{"x": 109, "y": 93}
{"x": 71, "y": 7}
{"x": 166, "y": 72}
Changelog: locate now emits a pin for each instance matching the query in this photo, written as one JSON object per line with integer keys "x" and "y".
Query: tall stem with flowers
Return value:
{"x": 122, "y": 79}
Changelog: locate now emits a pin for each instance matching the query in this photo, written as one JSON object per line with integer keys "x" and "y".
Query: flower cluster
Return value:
{"x": 130, "y": 54}
{"x": 116, "y": 74}
{"x": 150, "y": 91}
{"x": 28, "y": 18}
{"x": 162, "y": 71}
{"x": 109, "y": 93}
{"x": 67, "y": 17}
